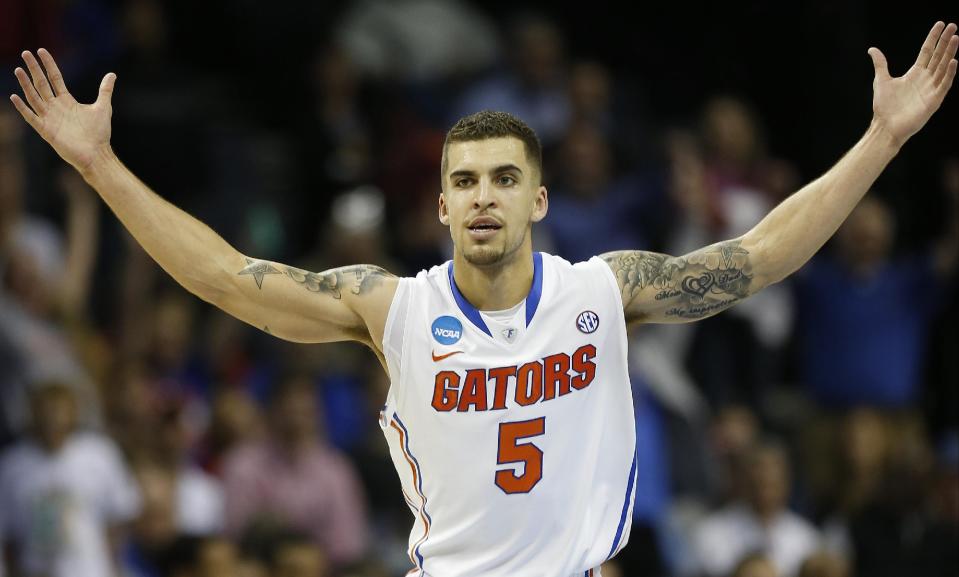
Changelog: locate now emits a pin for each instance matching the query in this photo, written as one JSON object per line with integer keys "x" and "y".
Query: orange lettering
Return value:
{"x": 474, "y": 391}
{"x": 555, "y": 375}
{"x": 446, "y": 390}
{"x": 584, "y": 366}
{"x": 529, "y": 383}
{"x": 500, "y": 376}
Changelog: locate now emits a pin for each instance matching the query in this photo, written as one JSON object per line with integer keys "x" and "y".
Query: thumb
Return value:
{"x": 106, "y": 88}
{"x": 879, "y": 63}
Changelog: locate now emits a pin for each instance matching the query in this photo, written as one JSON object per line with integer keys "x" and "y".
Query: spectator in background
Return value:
{"x": 592, "y": 209}
{"x": 44, "y": 286}
{"x": 866, "y": 314}
{"x": 759, "y": 522}
{"x": 65, "y": 495}
{"x": 298, "y": 556}
{"x": 279, "y": 551}
{"x": 164, "y": 101}
{"x": 199, "y": 500}
{"x": 155, "y": 529}
{"x": 534, "y": 86}
{"x": 904, "y": 529}
{"x": 845, "y": 469}
{"x": 417, "y": 40}
{"x": 294, "y": 478}
{"x": 235, "y": 420}
{"x": 617, "y": 110}
{"x": 738, "y": 162}
{"x": 824, "y": 564}
{"x": 755, "y": 565}
{"x": 735, "y": 357}
{"x": 201, "y": 557}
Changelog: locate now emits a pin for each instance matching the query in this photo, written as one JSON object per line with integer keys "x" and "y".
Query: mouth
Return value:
{"x": 483, "y": 228}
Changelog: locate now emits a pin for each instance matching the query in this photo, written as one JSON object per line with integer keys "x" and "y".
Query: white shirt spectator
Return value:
{"x": 722, "y": 539}
{"x": 57, "y": 507}
{"x": 199, "y": 503}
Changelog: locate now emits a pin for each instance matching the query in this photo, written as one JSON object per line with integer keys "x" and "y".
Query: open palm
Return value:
{"x": 78, "y": 132}
{"x": 903, "y": 105}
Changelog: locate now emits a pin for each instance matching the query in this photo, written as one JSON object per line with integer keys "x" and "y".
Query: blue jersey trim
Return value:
{"x": 465, "y": 307}
{"x": 622, "y": 518}
{"x": 535, "y": 291}
{"x": 532, "y": 299}
{"x": 419, "y": 485}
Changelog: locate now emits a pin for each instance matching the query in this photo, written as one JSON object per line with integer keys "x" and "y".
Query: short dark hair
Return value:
{"x": 493, "y": 124}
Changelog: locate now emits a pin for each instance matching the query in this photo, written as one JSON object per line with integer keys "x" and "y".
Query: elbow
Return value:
{"x": 213, "y": 286}
{"x": 767, "y": 263}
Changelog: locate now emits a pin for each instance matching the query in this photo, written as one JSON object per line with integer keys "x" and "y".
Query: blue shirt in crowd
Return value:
{"x": 862, "y": 341}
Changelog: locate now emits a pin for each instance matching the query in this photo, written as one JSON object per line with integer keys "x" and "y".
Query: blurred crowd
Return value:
{"x": 812, "y": 431}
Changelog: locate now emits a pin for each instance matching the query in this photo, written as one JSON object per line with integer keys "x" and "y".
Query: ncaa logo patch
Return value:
{"x": 587, "y": 322}
{"x": 447, "y": 330}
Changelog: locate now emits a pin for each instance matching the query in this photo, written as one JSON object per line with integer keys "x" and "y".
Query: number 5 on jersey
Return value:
{"x": 511, "y": 451}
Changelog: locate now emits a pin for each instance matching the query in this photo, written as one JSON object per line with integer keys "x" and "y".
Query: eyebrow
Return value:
{"x": 499, "y": 169}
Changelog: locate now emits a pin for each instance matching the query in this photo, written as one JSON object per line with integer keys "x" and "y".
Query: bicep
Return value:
{"x": 339, "y": 304}
{"x": 668, "y": 289}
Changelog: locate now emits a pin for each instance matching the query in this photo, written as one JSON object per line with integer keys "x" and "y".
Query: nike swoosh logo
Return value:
{"x": 437, "y": 358}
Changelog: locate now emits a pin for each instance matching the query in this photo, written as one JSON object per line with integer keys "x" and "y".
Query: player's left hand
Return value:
{"x": 901, "y": 106}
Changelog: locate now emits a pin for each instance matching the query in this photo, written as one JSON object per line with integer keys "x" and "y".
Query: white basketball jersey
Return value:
{"x": 513, "y": 432}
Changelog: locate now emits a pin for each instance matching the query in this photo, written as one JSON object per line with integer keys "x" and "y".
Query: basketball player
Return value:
{"x": 509, "y": 416}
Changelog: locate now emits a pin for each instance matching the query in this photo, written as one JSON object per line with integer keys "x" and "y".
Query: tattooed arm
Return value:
{"x": 660, "y": 288}
{"x": 342, "y": 304}
{"x": 347, "y": 303}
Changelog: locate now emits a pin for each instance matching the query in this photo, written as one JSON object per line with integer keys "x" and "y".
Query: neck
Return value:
{"x": 495, "y": 287}
{"x": 765, "y": 515}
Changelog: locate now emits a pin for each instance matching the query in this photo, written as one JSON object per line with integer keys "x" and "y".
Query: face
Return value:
{"x": 294, "y": 413}
{"x": 156, "y": 524}
{"x": 55, "y": 414}
{"x": 863, "y": 441}
{"x": 217, "y": 559}
{"x": 768, "y": 481}
{"x": 491, "y": 197}
{"x": 866, "y": 236}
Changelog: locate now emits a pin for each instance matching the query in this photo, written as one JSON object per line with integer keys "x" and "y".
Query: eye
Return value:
{"x": 506, "y": 180}
{"x": 463, "y": 182}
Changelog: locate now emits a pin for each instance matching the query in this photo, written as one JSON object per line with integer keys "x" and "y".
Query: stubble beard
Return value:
{"x": 486, "y": 255}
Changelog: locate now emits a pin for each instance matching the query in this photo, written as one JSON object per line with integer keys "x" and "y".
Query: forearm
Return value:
{"x": 82, "y": 227}
{"x": 796, "y": 229}
{"x": 191, "y": 252}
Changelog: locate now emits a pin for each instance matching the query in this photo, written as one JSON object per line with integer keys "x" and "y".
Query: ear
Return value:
{"x": 540, "y": 204}
{"x": 444, "y": 212}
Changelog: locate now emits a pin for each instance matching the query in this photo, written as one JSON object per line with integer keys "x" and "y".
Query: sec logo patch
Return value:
{"x": 447, "y": 330}
{"x": 587, "y": 322}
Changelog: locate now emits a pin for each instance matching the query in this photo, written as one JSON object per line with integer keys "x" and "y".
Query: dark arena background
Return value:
{"x": 812, "y": 431}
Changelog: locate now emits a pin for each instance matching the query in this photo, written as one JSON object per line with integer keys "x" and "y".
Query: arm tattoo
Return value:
{"x": 358, "y": 279}
{"x": 258, "y": 269}
{"x": 693, "y": 286}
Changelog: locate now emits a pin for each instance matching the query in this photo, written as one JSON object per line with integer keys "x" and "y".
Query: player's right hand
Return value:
{"x": 80, "y": 133}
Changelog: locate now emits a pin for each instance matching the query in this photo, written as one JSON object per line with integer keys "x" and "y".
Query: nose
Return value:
{"x": 483, "y": 195}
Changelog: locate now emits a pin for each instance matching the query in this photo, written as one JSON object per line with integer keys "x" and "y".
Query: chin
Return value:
{"x": 484, "y": 255}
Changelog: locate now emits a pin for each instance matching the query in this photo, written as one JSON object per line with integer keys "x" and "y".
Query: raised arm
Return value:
{"x": 661, "y": 288}
{"x": 342, "y": 304}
